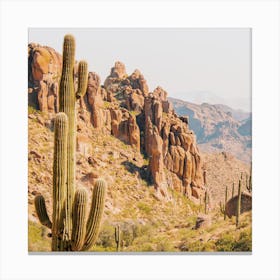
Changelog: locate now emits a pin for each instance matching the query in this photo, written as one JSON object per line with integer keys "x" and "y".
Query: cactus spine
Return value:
{"x": 238, "y": 207}
{"x": 70, "y": 231}
{"x": 118, "y": 237}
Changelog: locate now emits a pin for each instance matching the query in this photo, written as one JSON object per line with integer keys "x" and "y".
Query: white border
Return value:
{"x": 262, "y": 16}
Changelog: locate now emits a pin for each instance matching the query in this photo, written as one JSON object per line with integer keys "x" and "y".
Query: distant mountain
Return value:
{"x": 218, "y": 127}
{"x": 238, "y": 114}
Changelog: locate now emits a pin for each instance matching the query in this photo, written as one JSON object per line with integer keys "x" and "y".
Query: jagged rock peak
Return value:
{"x": 118, "y": 71}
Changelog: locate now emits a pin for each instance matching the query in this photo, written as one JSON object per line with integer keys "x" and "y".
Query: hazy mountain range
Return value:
{"x": 219, "y": 127}
{"x": 199, "y": 97}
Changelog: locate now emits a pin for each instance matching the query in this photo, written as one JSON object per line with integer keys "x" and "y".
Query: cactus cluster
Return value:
{"x": 71, "y": 231}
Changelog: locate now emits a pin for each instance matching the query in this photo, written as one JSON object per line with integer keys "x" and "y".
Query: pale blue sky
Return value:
{"x": 197, "y": 65}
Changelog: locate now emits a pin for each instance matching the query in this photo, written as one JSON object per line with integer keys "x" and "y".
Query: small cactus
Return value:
{"x": 238, "y": 207}
{"x": 204, "y": 178}
{"x": 118, "y": 237}
{"x": 206, "y": 201}
{"x": 249, "y": 183}
{"x": 223, "y": 206}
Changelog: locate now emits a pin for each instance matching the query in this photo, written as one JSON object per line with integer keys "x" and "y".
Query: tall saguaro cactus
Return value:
{"x": 70, "y": 229}
{"x": 67, "y": 104}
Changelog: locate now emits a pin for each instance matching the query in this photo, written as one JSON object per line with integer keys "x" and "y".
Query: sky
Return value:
{"x": 199, "y": 65}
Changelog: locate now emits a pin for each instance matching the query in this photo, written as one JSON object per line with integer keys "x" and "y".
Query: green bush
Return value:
{"x": 244, "y": 243}
{"x": 37, "y": 238}
{"x": 32, "y": 110}
{"x": 144, "y": 207}
{"x": 106, "y": 237}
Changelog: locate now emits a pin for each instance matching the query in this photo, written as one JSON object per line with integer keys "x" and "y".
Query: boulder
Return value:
{"x": 246, "y": 204}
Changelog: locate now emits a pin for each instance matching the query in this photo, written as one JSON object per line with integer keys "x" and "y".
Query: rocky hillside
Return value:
{"x": 218, "y": 128}
{"x": 125, "y": 108}
{"x": 230, "y": 170}
{"x": 148, "y": 155}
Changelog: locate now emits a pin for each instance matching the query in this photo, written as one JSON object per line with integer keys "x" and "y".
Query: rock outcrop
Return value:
{"x": 124, "y": 107}
{"x": 44, "y": 70}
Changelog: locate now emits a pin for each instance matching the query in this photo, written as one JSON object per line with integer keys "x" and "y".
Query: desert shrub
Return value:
{"x": 106, "y": 237}
{"x": 230, "y": 243}
{"x": 37, "y": 238}
{"x": 164, "y": 245}
{"x": 32, "y": 110}
{"x": 144, "y": 207}
{"x": 244, "y": 243}
{"x": 225, "y": 243}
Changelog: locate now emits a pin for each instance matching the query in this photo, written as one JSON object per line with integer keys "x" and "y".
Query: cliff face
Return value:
{"x": 125, "y": 108}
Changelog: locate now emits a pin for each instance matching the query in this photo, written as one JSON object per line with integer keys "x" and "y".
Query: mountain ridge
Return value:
{"x": 218, "y": 128}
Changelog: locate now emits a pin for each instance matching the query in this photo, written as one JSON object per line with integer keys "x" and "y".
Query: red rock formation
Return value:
{"x": 166, "y": 140}
{"x": 125, "y": 128}
{"x": 44, "y": 69}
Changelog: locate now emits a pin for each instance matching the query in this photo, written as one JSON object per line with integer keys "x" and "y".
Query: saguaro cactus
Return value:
{"x": 232, "y": 190}
{"x": 223, "y": 206}
{"x": 67, "y": 103}
{"x": 118, "y": 237}
{"x": 238, "y": 207}
{"x": 70, "y": 231}
{"x": 249, "y": 183}
{"x": 83, "y": 234}
{"x": 206, "y": 200}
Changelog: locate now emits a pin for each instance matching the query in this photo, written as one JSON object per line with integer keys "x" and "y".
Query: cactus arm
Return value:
{"x": 79, "y": 220}
{"x": 82, "y": 79}
{"x": 95, "y": 215}
{"x": 41, "y": 210}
